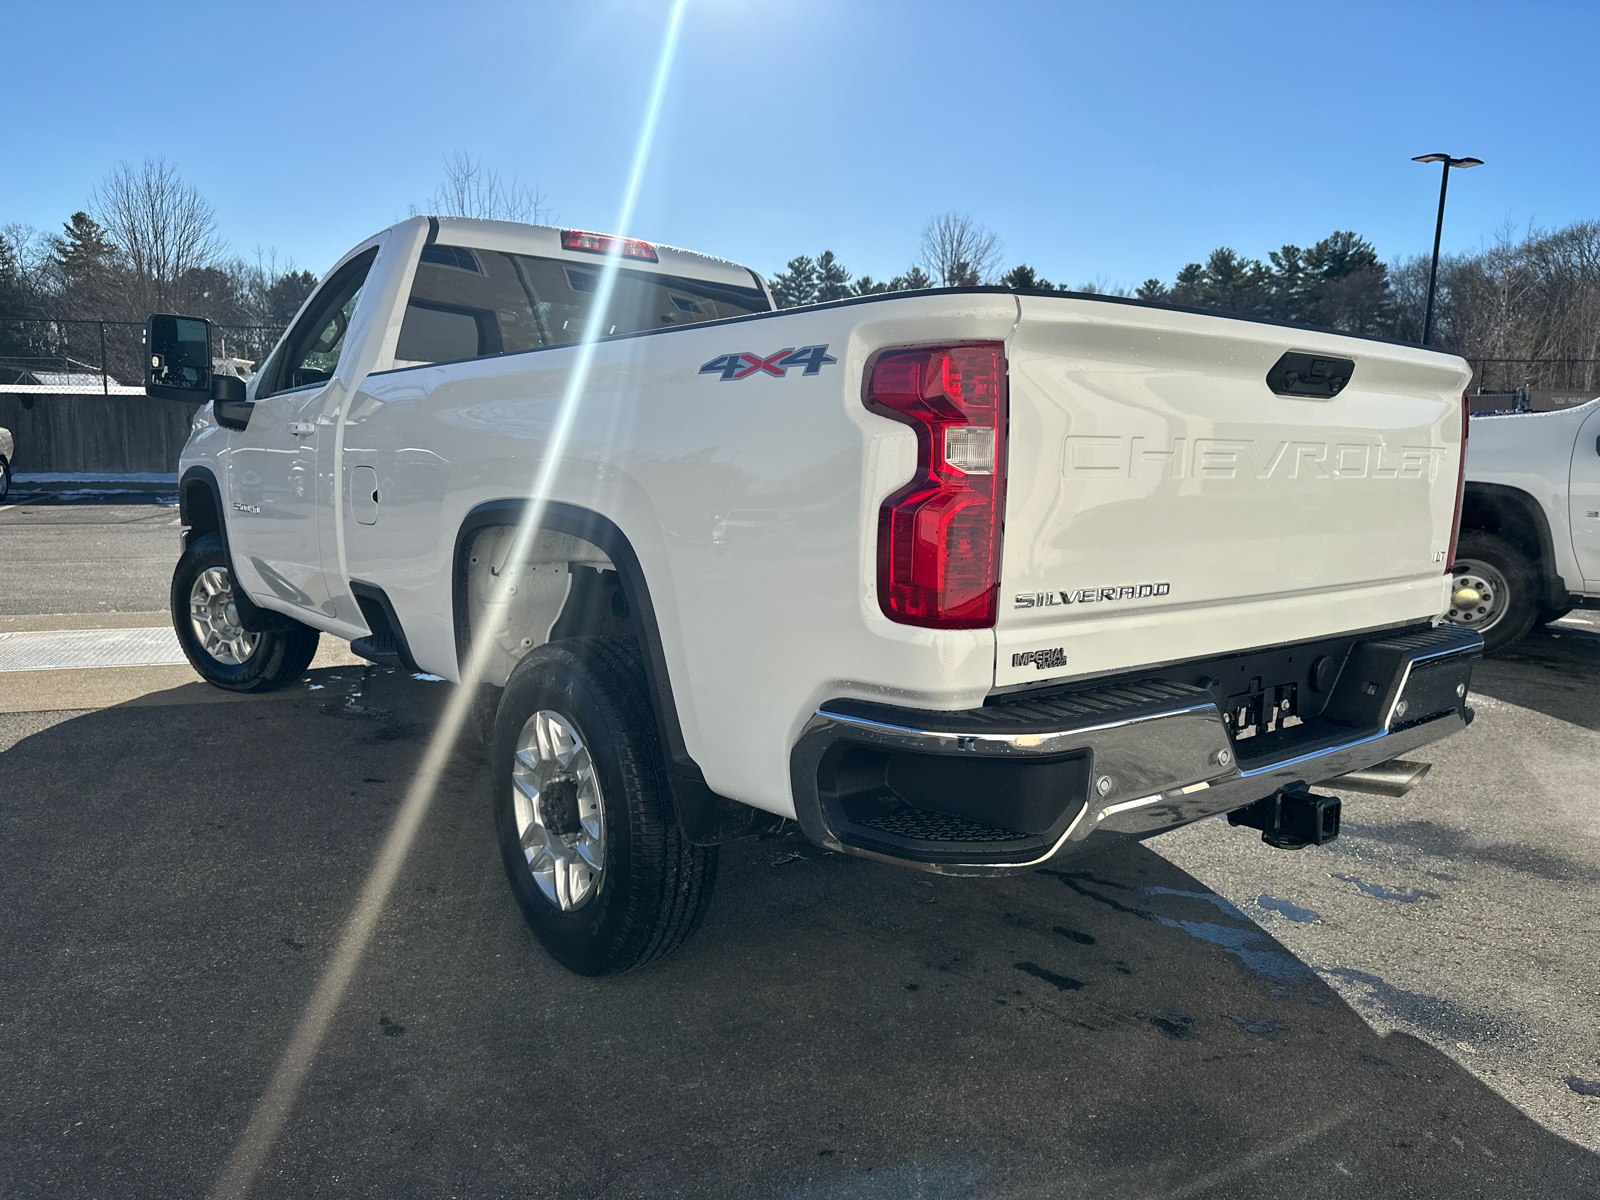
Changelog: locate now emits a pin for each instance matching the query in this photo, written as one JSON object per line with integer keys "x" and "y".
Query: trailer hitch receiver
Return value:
{"x": 1291, "y": 820}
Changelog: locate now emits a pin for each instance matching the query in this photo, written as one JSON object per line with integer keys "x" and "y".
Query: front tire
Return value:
{"x": 587, "y": 828}
{"x": 1494, "y": 590}
{"x": 206, "y": 620}
{"x": 5, "y": 479}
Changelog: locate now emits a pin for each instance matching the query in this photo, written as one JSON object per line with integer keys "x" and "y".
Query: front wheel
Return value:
{"x": 206, "y": 619}
{"x": 5, "y": 479}
{"x": 586, "y": 823}
{"x": 1493, "y": 590}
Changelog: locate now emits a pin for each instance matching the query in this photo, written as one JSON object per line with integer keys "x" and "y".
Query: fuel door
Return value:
{"x": 364, "y": 495}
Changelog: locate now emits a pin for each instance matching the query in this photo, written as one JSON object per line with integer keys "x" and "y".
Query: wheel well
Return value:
{"x": 562, "y": 587}
{"x": 1515, "y": 517}
{"x": 600, "y": 567}
{"x": 197, "y": 509}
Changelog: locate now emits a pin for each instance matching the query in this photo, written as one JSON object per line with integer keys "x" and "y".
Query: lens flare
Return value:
{"x": 273, "y": 1108}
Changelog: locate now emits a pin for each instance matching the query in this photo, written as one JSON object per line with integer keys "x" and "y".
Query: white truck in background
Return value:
{"x": 1530, "y": 522}
{"x": 965, "y": 579}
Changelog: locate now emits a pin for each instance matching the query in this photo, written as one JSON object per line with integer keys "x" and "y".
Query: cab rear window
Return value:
{"x": 467, "y": 303}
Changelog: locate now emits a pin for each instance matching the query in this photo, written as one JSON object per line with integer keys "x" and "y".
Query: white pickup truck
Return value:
{"x": 963, "y": 579}
{"x": 1530, "y": 522}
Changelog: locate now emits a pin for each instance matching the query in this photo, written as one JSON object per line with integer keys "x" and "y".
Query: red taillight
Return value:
{"x": 939, "y": 536}
{"x": 1461, "y": 487}
{"x": 605, "y": 243}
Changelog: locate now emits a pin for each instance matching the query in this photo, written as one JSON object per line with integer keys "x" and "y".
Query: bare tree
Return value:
{"x": 469, "y": 189}
{"x": 958, "y": 252}
{"x": 162, "y": 227}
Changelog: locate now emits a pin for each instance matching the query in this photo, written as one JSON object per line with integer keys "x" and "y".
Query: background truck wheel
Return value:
{"x": 207, "y": 624}
{"x": 1494, "y": 590}
{"x": 586, "y": 823}
{"x": 1546, "y": 615}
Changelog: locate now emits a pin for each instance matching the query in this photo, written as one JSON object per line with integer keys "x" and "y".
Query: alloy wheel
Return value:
{"x": 560, "y": 821}
{"x": 215, "y": 618}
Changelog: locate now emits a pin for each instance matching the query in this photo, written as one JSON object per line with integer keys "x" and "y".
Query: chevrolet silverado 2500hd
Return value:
{"x": 1530, "y": 522}
{"x": 963, "y": 579}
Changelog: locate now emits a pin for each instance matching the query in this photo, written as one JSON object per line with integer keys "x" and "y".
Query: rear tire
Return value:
{"x": 5, "y": 479}
{"x": 207, "y": 624}
{"x": 578, "y": 784}
{"x": 1507, "y": 590}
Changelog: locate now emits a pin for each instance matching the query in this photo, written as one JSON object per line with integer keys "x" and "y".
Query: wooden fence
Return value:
{"x": 111, "y": 435}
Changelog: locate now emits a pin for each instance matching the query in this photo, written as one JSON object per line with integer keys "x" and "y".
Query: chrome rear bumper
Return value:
{"x": 1019, "y": 783}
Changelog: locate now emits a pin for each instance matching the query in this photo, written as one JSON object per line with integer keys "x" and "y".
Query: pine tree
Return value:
{"x": 89, "y": 270}
{"x": 1023, "y": 278}
{"x": 83, "y": 251}
{"x": 286, "y": 294}
{"x": 796, "y": 284}
{"x": 833, "y": 281}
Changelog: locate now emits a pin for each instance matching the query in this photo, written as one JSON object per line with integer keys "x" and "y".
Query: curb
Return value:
{"x": 87, "y": 484}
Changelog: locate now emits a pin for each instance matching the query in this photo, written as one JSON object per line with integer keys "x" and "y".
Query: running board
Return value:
{"x": 380, "y": 648}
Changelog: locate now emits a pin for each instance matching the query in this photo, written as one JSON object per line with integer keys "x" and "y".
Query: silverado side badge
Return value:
{"x": 745, "y": 364}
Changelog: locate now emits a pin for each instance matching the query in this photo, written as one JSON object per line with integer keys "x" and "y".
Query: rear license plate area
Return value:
{"x": 1261, "y": 709}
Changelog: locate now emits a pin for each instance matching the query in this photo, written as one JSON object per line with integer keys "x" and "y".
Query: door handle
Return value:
{"x": 301, "y": 428}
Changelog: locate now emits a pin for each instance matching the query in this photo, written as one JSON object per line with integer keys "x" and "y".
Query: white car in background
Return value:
{"x": 1530, "y": 522}
{"x": 7, "y": 453}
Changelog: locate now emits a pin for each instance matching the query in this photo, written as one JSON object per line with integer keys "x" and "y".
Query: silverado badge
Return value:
{"x": 1128, "y": 591}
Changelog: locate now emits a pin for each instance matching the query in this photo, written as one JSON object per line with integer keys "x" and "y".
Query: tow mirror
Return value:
{"x": 177, "y": 358}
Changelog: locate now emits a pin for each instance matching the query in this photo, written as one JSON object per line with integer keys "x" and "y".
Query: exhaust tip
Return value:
{"x": 1393, "y": 778}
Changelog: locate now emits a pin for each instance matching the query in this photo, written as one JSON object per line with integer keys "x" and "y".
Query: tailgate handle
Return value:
{"x": 1319, "y": 376}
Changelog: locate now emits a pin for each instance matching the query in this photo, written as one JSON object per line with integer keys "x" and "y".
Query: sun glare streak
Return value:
{"x": 272, "y": 1109}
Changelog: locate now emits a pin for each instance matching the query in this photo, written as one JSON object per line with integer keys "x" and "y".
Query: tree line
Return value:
{"x": 1533, "y": 299}
{"x": 145, "y": 242}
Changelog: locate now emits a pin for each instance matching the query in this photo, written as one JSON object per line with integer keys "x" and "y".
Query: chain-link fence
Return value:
{"x": 107, "y": 357}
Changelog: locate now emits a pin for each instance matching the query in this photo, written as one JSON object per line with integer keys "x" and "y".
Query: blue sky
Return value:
{"x": 1109, "y": 141}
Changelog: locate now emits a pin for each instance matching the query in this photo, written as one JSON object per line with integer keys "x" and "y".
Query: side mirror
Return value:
{"x": 177, "y": 358}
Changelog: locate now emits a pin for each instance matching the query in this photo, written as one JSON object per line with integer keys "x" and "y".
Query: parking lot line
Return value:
{"x": 27, "y": 623}
{"x": 144, "y": 686}
{"x": 79, "y": 649}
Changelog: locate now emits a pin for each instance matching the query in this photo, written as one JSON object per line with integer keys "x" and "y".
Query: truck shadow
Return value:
{"x": 175, "y": 878}
{"x": 1554, "y": 670}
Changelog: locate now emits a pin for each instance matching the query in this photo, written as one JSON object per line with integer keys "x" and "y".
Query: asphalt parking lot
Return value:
{"x": 1412, "y": 1011}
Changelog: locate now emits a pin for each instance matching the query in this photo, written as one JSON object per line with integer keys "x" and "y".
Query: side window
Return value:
{"x": 466, "y": 303}
{"x": 312, "y": 350}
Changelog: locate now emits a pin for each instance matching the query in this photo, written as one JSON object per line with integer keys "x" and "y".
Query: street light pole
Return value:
{"x": 1438, "y": 228}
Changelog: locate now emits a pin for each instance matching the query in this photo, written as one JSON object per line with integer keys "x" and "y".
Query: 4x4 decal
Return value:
{"x": 745, "y": 364}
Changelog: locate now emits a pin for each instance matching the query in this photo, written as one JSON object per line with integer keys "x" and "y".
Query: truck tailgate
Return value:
{"x": 1164, "y": 503}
